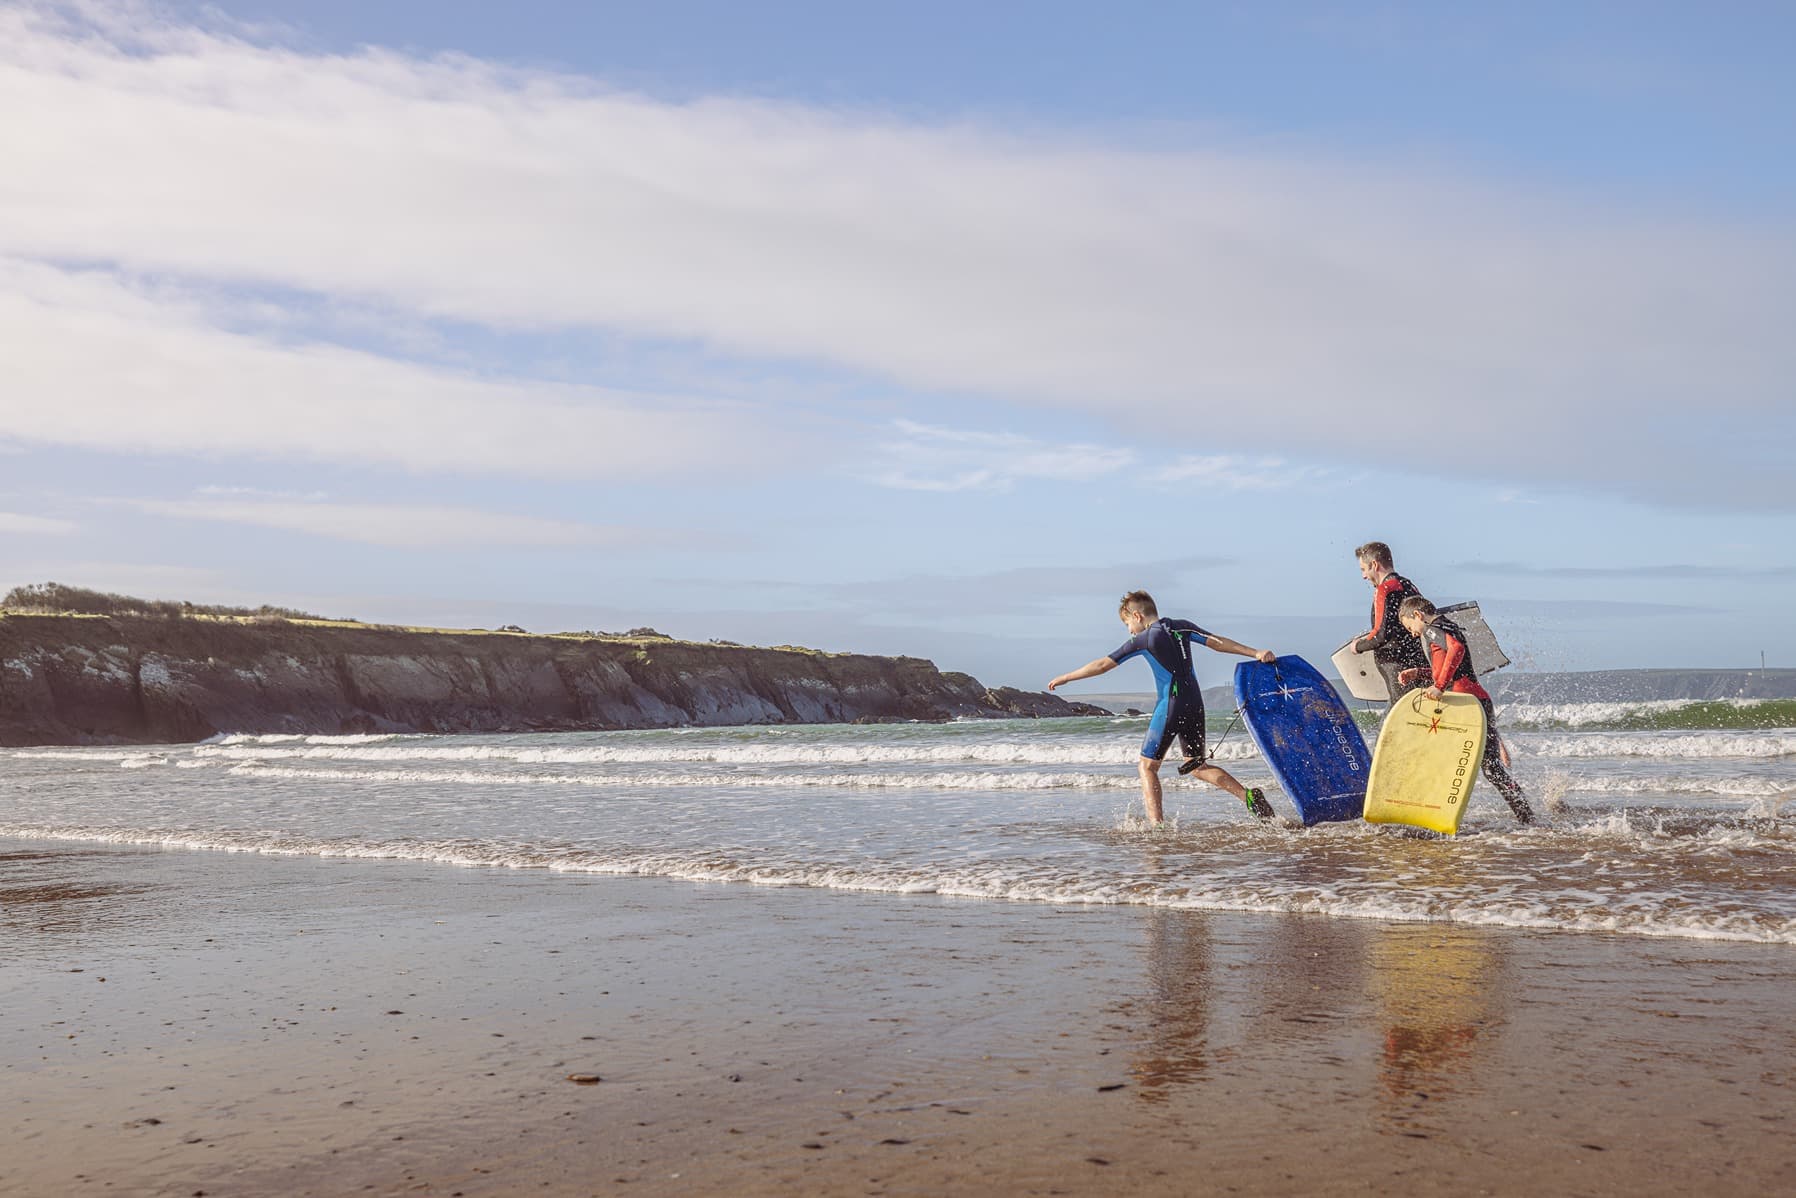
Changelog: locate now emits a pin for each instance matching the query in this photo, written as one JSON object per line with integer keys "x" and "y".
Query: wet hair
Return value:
{"x": 1374, "y": 551}
{"x": 1415, "y": 605}
{"x": 1139, "y": 602}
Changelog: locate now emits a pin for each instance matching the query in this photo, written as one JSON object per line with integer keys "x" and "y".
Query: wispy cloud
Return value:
{"x": 1579, "y": 610}
{"x": 1666, "y": 570}
{"x": 1237, "y": 472}
{"x": 147, "y": 580}
{"x": 217, "y": 491}
{"x": 924, "y": 457}
{"x": 1013, "y": 598}
{"x": 1263, "y": 299}
{"x": 95, "y": 361}
{"x": 399, "y": 525}
{"x": 36, "y": 525}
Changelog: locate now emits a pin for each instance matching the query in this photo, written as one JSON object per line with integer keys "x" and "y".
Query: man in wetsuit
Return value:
{"x": 1450, "y": 669}
{"x": 1392, "y": 648}
{"x": 1179, "y": 709}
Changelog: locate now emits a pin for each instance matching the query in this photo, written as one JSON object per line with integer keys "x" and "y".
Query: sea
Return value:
{"x": 1665, "y": 819}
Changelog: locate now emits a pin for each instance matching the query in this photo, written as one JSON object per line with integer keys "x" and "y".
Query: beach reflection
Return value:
{"x": 1399, "y": 1019}
{"x": 1176, "y": 1008}
{"x": 41, "y": 894}
{"x": 1438, "y": 990}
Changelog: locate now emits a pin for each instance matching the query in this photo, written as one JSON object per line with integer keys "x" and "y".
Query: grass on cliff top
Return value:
{"x": 610, "y": 638}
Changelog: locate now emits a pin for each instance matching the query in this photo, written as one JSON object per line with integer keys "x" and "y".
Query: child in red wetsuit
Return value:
{"x": 1450, "y": 665}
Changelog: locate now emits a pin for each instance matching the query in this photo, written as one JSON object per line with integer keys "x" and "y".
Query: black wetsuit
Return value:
{"x": 1450, "y": 669}
{"x": 1393, "y": 650}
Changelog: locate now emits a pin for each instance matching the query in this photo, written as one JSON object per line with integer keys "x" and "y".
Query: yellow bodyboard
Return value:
{"x": 1428, "y": 755}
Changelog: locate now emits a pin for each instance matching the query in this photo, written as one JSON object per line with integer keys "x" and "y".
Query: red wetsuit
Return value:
{"x": 1393, "y": 650}
{"x": 1450, "y": 668}
{"x": 1449, "y": 662}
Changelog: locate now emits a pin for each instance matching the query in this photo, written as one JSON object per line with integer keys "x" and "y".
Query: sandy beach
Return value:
{"x": 181, "y": 1022}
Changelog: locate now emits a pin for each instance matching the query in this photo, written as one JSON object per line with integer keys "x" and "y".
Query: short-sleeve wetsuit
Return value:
{"x": 1179, "y": 707}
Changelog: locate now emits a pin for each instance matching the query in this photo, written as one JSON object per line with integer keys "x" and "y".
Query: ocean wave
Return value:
{"x": 1072, "y": 752}
{"x": 1652, "y": 830}
{"x": 93, "y": 755}
{"x": 1651, "y": 715}
{"x": 1486, "y": 902}
{"x": 1691, "y": 745}
{"x": 940, "y": 780}
{"x": 1723, "y": 786}
{"x": 289, "y": 738}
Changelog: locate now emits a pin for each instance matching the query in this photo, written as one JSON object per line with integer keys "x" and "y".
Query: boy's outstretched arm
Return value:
{"x": 1090, "y": 669}
{"x": 1222, "y": 644}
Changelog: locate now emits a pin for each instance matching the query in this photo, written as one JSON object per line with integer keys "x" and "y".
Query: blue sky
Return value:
{"x": 918, "y": 329}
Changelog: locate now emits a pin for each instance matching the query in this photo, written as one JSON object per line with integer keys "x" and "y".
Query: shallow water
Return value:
{"x": 1672, "y": 831}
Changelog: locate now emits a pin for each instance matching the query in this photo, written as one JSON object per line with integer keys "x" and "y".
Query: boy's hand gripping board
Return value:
{"x": 1427, "y": 758}
{"x": 1307, "y": 735}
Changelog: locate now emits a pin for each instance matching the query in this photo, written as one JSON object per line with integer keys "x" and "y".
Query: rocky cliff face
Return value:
{"x": 87, "y": 680}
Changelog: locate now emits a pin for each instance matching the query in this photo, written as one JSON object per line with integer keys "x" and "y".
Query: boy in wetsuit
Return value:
{"x": 1450, "y": 669}
{"x": 1392, "y": 648}
{"x": 1179, "y": 711}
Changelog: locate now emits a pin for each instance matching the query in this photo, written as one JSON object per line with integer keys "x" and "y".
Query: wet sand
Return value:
{"x": 178, "y": 1022}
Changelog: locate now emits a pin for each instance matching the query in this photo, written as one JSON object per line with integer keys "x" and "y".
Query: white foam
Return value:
{"x": 961, "y": 780}
{"x": 1070, "y": 752}
{"x": 1637, "y": 914}
{"x": 1579, "y": 715}
{"x": 95, "y": 755}
{"x": 1691, "y": 745}
{"x": 1672, "y": 784}
{"x": 287, "y": 738}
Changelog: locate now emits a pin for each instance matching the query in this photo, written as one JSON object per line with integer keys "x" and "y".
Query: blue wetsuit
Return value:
{"x": 1179, "y": 709}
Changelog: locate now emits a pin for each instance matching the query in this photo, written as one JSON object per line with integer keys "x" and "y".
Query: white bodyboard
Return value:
{"x": 1365, "y": 682}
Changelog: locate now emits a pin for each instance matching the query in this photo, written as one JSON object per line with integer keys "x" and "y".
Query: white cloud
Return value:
{"x": 94, "y": 362}
{"x": 216, "y": 490}
{"x": 1235, "y": 472}
{"x": 147, "y": 580}
{"x": 1251, "y": 299}
{"x": 36, "y": 525}
{"x": 931, "y": 458}
{"x": 400, "y": 525}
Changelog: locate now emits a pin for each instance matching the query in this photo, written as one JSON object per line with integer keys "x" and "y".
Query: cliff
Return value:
{"x": 70, "y": 679}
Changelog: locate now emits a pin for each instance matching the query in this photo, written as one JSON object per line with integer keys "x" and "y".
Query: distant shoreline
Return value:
{"x": 72, "y": 679}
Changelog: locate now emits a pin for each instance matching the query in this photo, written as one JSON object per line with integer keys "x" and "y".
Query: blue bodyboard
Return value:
{"x": 1307, "y": 735}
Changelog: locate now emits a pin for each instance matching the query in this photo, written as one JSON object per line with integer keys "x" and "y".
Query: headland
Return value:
{"x": 70, "y": 678}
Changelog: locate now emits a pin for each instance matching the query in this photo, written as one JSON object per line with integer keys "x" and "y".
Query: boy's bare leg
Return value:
{"x": 1218, "y": 777}
{"x": 1150, "y": 786}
